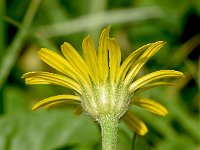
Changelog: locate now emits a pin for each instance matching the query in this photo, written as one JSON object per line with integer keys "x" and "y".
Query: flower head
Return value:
{"x": 103, "y": 85}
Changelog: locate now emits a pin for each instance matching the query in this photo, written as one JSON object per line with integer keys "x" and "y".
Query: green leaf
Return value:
{"x": 45, "y": 130}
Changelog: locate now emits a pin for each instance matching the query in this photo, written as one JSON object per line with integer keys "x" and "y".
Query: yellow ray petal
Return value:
{"x": 59, "y": 63}
{"x": 51, "y": 78}
{"x": 76, "y": 61}
{"x": 59, "y": 103}
{"x": 55, "y": 61}
{"x": 36, "y": 81}
{"x": 142, "y": 60}
{"x": 128, "y": 61}
{"x": 162, "y": 74}
{"x": 114, "y": 58}
{"x": 103, "y": 55}
{"x": 152, "y": 85}
{"x": 90, "y": 57}
{"x": 135, "y": 123}
{"x": 56, "y": 99}
{"x": 78, "y": 111}
{"x": 150, "y": 105}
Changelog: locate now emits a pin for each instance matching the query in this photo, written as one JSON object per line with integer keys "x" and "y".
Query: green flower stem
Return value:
{"x": 13, "y": 50}
{"x": 109, "y": 126}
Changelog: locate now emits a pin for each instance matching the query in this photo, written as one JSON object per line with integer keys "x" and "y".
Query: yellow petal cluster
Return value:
{"x": 103, "y": 85}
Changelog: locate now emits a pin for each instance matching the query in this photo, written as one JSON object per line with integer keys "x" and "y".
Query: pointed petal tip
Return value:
{"x": 160, "y": 42}
{"x": 86, "y": 38}
{"x": 29, "y": 74}
{"x": 78, "y": 111}
{"x": 34, "y": 108}
{"x": 150, "y": 105}
{"x": 108, "y": 27}
{"x": 64, "y": 44}
{"x": 143, "y": 131}
{"x": 182, "y": 75}
{"x": 25, "y": 75}
{"x": 111, "y": 39}
{"x": 165, "y": 113}
{"x": 179, "y": 73}
{"x": 162, "y": 113}
{"x": 22, "y": 77}
{"x": 135, "y": 124}
{"x": 42, "y": 50}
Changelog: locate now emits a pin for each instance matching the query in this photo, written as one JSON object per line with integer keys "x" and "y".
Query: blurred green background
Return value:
{"x": 28, "y": 25}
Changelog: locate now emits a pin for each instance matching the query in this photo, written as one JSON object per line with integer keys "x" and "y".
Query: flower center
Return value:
{"x": 105, "y": 99}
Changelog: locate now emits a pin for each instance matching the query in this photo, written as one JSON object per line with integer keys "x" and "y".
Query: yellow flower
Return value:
{"x": 103, "y": 85}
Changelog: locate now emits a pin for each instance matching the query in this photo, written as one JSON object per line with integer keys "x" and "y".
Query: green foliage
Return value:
{"x": 47, "y": 130}
{"x": 27, "y": 26}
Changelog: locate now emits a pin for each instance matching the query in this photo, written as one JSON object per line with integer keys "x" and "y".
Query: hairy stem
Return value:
{"x": 109, "y": 126}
